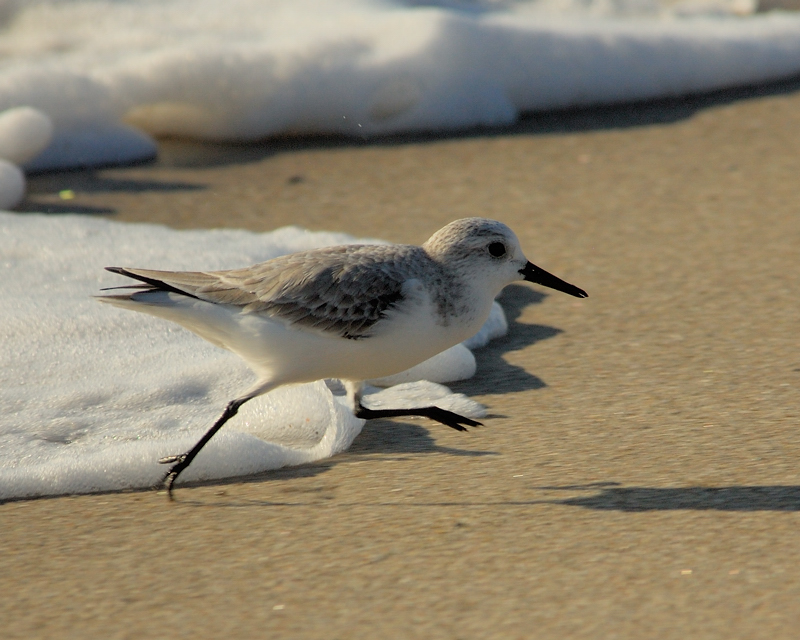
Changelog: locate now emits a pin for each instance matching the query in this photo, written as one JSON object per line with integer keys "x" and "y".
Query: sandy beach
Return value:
{"x": 637, "y": 476}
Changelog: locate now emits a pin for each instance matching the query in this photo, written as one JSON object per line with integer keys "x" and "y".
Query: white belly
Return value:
{"x": 281, "y": 353}
{"x": 295, "y": 354}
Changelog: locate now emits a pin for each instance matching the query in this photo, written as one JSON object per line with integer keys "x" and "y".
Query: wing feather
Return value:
{"x": 342, "y": 291}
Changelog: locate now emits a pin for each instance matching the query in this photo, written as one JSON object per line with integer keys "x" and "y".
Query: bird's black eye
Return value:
{"x": 497, "y": 249}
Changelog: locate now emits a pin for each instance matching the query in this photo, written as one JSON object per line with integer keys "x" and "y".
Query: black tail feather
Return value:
{"x": 157, "y": 285}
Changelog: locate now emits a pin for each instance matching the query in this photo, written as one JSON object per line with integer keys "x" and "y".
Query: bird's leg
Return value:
{"x": 452, "y": 420}
{"x": 185, "y": 459}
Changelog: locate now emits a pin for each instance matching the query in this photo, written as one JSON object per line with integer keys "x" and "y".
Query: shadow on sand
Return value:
{"x": 495, "y": 374}
{"x": 613, "y": 497}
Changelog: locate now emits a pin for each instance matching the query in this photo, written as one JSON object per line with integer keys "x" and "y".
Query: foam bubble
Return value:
{"x": 24, "y": 133}
{"x": 12, "y": 184}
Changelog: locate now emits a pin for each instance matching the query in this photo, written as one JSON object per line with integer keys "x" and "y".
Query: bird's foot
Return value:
{"x": 452, "y": 420}
{"x": 447, "y": 418}
{"x": 169, "y": 478}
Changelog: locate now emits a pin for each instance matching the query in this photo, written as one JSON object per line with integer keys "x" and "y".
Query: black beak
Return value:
{"x": 532, "y": 273}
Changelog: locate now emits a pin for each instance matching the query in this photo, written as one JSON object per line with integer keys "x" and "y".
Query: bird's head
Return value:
{"x": 488, "y": 254}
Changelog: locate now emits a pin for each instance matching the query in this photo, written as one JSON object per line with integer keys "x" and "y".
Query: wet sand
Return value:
{"x": 638, "y": 475}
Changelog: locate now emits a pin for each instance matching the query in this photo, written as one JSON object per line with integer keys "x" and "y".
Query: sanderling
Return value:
{"x": 352, "y": 312}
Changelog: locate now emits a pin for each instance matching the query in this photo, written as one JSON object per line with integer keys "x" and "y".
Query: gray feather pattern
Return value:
{"x": 339, "y": 290}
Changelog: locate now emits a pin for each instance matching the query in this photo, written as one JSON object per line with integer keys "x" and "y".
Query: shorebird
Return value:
{"x": 352, "y": 312}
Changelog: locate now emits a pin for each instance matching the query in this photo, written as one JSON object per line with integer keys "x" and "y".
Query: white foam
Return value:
{"x": 12, "y": 184}
{"x": 24, "y": 133}
{"x": 247, "y": 69}
{"x": 91, "y": 396}
{"x": 94, "y": 144}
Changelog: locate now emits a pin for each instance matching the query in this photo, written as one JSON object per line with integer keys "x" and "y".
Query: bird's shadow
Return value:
{"x": 614, "y": 497}
{"x": 495, "y": 374}
{"x": 400, "y": 438}
{"x": 386, "y": 438}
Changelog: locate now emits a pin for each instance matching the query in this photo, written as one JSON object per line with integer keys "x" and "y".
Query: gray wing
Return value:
{"x": 343, "y": 291}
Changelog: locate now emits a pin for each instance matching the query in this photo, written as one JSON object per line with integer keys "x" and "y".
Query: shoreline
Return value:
{"x": 638, "y": 468}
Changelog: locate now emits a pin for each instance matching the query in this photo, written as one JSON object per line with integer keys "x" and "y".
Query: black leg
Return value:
{"x": 185, "y": 459}
{"x": 452, "y": 420}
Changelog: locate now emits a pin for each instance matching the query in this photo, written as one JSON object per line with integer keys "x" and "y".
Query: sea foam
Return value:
{"x": 91, "y": 396}
{"x": 113, "y": 75}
